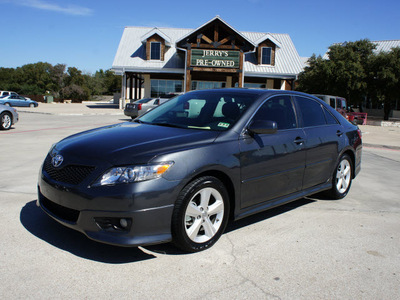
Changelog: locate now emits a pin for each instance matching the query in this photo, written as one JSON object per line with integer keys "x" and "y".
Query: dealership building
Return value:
{"x": 154, "y": 61}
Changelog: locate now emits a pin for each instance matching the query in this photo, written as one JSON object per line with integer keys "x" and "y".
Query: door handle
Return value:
{"x": 339, "y": 133}
{"x": 299, "y": 141}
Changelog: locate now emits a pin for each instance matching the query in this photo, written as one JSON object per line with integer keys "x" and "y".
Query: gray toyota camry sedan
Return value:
{"x": 181, "y": 171}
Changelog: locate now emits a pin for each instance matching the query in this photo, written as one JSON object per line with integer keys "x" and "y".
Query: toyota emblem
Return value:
{"x": 57, "y": 160}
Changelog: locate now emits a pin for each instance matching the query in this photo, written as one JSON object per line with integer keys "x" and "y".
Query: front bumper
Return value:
{"x": 146, "y": 206}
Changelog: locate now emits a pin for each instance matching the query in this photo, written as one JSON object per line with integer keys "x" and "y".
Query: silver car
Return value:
{"x": 8, "y": 117}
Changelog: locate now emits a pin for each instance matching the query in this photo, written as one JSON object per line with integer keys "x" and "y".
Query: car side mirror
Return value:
{"x": 263, "y": 127}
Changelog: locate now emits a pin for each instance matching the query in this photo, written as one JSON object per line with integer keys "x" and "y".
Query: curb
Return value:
{"x": 70, "y": 114}
{"x": 381, "y": 146}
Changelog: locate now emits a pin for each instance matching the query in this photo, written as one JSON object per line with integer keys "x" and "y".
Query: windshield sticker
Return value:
{"x": 222, "y": 124}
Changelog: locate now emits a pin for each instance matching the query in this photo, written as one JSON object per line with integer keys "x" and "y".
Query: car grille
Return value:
{"x": 71, "y": 174}
{"x": 65, "y": 213}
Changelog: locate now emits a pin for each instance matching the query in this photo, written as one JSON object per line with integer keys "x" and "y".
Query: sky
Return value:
{"x": 86, "y": 33}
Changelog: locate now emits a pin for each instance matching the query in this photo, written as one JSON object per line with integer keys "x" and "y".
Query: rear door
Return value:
{"x": 324, "y": 139}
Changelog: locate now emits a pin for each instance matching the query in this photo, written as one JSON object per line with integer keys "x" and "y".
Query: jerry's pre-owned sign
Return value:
{"x": 215, "y": 58}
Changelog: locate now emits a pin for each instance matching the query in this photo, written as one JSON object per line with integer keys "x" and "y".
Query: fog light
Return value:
{"x": 114, "y": 224}
{"x": 124, "y": 223}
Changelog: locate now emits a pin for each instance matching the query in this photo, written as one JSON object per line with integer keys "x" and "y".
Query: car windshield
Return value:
{"x": 216, "y": 110}
{"x": 144, "y": 100}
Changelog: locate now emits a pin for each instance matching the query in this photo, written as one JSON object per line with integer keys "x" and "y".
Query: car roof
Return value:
{"x": 251, "y": 91}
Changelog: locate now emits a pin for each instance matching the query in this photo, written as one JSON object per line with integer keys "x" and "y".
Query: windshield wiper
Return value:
{"x": 167, "y": 125}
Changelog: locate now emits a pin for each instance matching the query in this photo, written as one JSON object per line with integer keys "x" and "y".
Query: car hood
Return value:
{"x": 129, "y": 142}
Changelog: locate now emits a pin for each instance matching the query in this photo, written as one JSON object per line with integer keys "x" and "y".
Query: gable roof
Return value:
{"x": 268, "y": 36}
{"x": 157, "y": 31}
{"x": 249, "y": 44}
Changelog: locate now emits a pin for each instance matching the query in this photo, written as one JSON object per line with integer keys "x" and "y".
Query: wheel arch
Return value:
{"x": 352, "y": 155}
{"x": 226, "y": 180}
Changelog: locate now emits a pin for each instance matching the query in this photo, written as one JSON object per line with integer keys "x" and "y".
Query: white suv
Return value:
{"x": 7, "y": 93}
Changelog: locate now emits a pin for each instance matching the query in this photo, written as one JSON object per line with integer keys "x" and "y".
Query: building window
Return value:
{"x": 162, "y": 87}
{"x": 155, "y": 50}
{"x": 266, "y": 55}
{"x": 206, "y": 85}
{"x": 254, "y": 85}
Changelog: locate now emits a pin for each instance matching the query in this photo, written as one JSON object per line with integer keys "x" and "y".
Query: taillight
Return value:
{"x": 359, "y": 133}
{"x": 139, "y": 106}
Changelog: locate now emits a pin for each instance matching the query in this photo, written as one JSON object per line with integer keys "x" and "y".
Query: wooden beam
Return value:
{"x": 223, "y": 41}
{"x": 188, "y": 72}
{"x": 223, "y": 70}
{"x": 206, "y": 39}
{"x": 207, "y": 46}
{"x": 240, "y": 83}
{"x": 216, "y": 32}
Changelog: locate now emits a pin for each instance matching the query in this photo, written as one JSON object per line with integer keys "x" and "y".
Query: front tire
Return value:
{"x": 31, "y": 105}
{"x": 200, "y": 215}
{"x": 342, "y": 178}
{"x": 5, "y": 121}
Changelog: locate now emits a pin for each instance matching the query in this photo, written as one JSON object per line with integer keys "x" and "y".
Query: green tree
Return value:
{"x": 37, "y": 78}
{"x": 345, "y": 73}
{"x": 385, "y": 79}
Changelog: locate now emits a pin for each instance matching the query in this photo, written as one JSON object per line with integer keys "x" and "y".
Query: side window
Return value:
{"x": 332, "y": 102}
{"x": 344, "y": 104}
{"x": 311, "y": 112}
{"x": 155, "y": 50}
{"x": 266, "y": 55}
{"x": 338, "y": 104}
{"x": 329, "y": 118}
{"x": 280, "y": 110}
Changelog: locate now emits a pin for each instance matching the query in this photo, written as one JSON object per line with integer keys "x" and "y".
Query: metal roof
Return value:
{"x": 386, "y": 46}
{"x": 131, "y": 54}
{"x": 381, "y": 46}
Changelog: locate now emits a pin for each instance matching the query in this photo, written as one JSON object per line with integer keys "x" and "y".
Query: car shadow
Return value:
{"x": 169, "y": 249}
{"x": 45, "y": 228}
{"x": 42, "y": 226}
{"x": 103, "y": 105}
{"x": 261, "y": 216}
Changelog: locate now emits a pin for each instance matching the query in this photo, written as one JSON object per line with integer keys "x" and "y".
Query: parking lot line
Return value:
{"x": 56, "y": 128}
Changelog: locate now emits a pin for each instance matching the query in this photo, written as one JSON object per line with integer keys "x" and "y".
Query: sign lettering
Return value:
{"x": 215, "y": 58}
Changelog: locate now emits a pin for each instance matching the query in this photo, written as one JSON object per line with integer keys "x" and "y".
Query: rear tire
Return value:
{"x": 200, "y": 215}
{"x": 5, "y": 121}
{"x": 342, "y": 178}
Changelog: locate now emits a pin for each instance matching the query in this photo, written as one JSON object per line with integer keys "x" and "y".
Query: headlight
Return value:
{"x": 130, "y": 174}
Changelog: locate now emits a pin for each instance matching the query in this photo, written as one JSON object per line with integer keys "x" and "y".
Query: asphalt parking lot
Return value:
{"x": 308, "y": 249}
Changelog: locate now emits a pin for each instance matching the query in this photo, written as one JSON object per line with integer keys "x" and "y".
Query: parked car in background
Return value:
{"x": 132, "y": 109}
{"x": 154, "y": 103}
{"x": 8, "y": 117}
{"x": 7, "y": 93}
{"x": 17, "y": 100}
{"x": 180, "y": 171}
{"x": 338, "y": 103}
{"x": 145, "y": 107}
